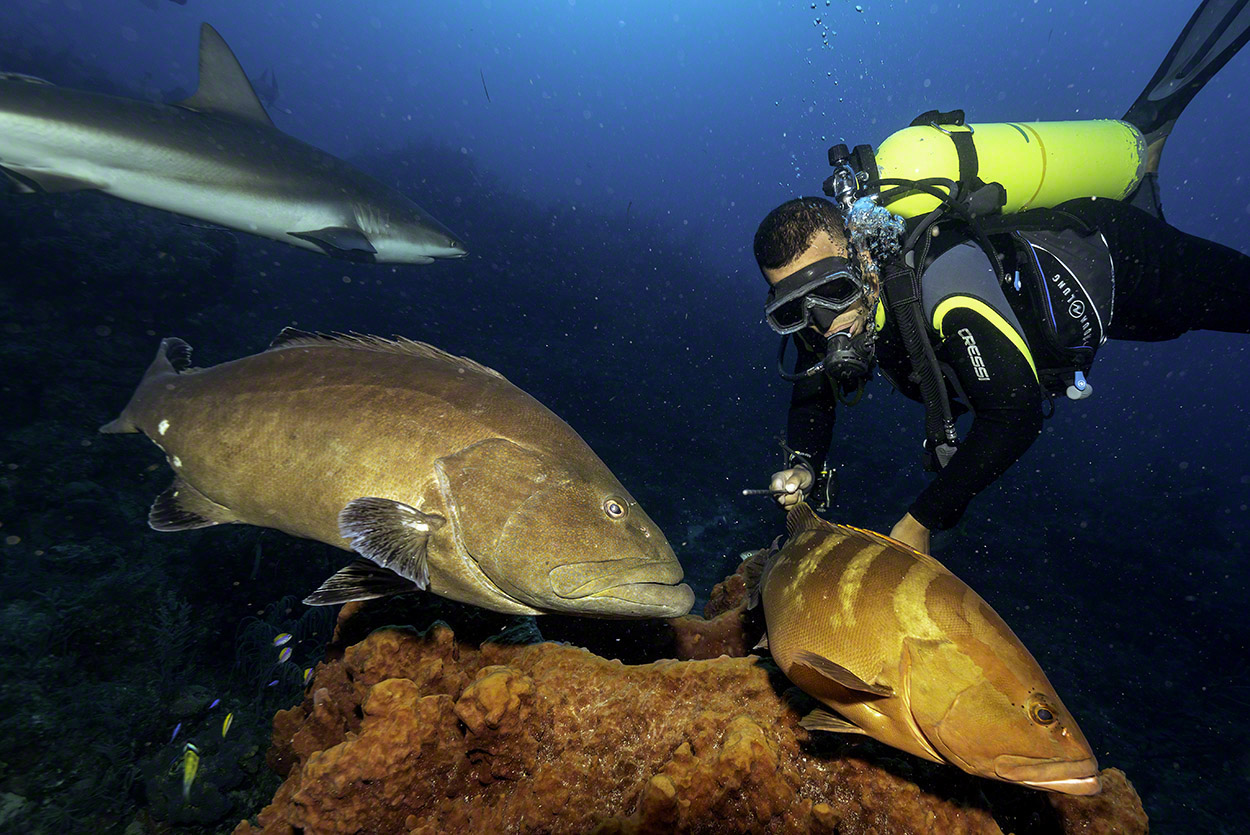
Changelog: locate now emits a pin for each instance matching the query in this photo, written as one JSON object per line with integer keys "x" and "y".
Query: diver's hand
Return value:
{"x": 910, "y": 532}
{"x": 790, "y": 486}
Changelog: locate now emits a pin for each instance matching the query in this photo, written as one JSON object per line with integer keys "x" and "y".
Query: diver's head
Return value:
{"x": 802, "y": 251}
{"x": 815, "y": 285}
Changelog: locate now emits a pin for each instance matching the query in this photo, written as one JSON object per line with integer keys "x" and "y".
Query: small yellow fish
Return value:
{"x": 284, "y": 655}
{"x": 190, "y": 768}
{"x": 225, "y": 725}
{"x": 281, "y": 639}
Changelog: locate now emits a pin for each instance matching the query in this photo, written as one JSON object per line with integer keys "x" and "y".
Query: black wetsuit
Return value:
{"x": 1165, "y": 282}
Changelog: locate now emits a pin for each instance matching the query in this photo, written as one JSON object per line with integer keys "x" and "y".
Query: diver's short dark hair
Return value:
{"x": 788, "y": 230}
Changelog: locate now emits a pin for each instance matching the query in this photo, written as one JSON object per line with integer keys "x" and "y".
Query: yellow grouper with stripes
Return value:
{"x": 908, "y": 654}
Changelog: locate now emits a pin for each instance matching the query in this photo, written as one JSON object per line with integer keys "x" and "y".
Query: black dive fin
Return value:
{"x": 823, "y": 720}
{"x": 1211, "y": 37}
{"x": 840, "y": 674}
{"x": 359, "y": 580}
{"x": 391, "y": 534}
{"x": 183, "y": 508}
{"x": 339, "y": 241}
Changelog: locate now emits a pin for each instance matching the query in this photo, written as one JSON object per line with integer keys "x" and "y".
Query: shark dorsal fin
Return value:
{"x": 803, "y": 518}
{"x": 224, "y": 88}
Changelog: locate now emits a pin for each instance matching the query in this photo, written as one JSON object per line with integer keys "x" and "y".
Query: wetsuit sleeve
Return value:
{"x": 809, "y": 426}
{"x": 1002, "y": 389}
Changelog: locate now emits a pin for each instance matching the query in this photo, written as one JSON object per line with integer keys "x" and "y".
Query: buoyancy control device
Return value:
{"x": 941, "y": 168}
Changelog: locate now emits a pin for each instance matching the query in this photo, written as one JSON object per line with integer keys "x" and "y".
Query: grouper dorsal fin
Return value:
{"x": 224, "y": 88}
{"x": 296, "y": 338}
{"x": 802, "y": 518}
{"x": 890, "y": 542}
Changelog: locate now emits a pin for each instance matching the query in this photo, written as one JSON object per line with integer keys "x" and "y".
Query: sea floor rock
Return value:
{"x": 418, "y": 732}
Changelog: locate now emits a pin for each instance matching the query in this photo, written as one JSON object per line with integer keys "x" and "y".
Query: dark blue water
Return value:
{"x": 608, "y": 190}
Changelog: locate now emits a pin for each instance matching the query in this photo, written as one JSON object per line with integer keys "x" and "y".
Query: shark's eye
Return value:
{"x": 614, "y": 508}
{"x": 1042, "y": 714}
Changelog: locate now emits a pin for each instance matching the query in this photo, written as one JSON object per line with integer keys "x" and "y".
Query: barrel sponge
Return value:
{"x": 420, "y": 732}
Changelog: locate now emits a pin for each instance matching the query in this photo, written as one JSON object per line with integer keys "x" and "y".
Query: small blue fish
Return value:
{"x": 284, "y": 655}
{"x": 225, "y": 726}
{"x": 272, "y": 683}
{"x": 214, "y": 704}
{"x": 174, "y": 735}
{"x": 281, "y": 639}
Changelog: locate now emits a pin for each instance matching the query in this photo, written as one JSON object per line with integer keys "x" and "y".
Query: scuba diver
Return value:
{"x": 980, "y": 267}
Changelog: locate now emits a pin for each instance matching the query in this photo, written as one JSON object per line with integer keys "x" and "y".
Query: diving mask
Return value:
{"x": 814, "y": 295}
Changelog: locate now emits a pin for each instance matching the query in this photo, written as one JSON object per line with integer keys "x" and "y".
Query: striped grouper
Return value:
{"x": 439, "y": 472}
{"x": 908, "y": 654}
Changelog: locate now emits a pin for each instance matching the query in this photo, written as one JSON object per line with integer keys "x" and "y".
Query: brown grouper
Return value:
{"x": 907, "y": 653}
{"x": 436, "y": 470}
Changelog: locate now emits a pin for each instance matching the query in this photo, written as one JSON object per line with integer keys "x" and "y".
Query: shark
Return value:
{"x": 215, "y": 157}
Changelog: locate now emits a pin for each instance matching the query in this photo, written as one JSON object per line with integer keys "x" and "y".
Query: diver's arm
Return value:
{"x": 809, "y": 425}
{"x": 1004, "y": 394}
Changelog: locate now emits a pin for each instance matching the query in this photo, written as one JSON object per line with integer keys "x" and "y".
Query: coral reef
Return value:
{"x": 419, "y": 732}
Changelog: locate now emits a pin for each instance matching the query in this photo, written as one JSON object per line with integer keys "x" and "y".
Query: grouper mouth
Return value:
{"x": 648, "y": 584}
{"x": 1078, "y": 777}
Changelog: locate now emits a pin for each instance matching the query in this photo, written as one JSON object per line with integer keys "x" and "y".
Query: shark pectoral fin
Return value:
{"x": 823, "y": 720}
{"x": 337, "y": 240}
{"x": 224, "y": 87}
{"x": 28, "y": 180}
{"x": 392, "y": 534}
{"x": 183, "y": 508}
{"x": 14, "y": 184}
{"x": 358, "y": 580}
{"x": 840, "y": 674}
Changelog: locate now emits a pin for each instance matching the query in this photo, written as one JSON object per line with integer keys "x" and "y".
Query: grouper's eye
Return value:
{"x": 614, "y": 509}
{"x": 1041, "y": 713}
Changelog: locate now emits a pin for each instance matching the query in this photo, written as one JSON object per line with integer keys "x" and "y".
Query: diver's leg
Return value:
{"x": 1212, "y": 36}
{"x": 1168, "y": 282}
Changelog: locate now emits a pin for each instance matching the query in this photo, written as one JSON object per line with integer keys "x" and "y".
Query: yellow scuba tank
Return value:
{"x": 1039, "y": 164}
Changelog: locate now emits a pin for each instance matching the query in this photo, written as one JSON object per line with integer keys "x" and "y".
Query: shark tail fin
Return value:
{"x": 173, "y": 357}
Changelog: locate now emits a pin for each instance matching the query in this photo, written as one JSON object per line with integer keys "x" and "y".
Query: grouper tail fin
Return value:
{"x": 173, "y": 357}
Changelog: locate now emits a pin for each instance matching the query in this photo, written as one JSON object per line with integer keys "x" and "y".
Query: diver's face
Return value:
{"x": 854, "y": 319}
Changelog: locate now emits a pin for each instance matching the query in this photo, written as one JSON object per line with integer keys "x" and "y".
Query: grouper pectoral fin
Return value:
{"x": 392, "y": 534}
{"x": 183, "y": 508}
{"x": 342, "y": 241}
{"x": 360, "y": 579}
{"x": 224, "y": 87}
{"x": 823, "y": 720}
{"x": 840, "y": 674}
